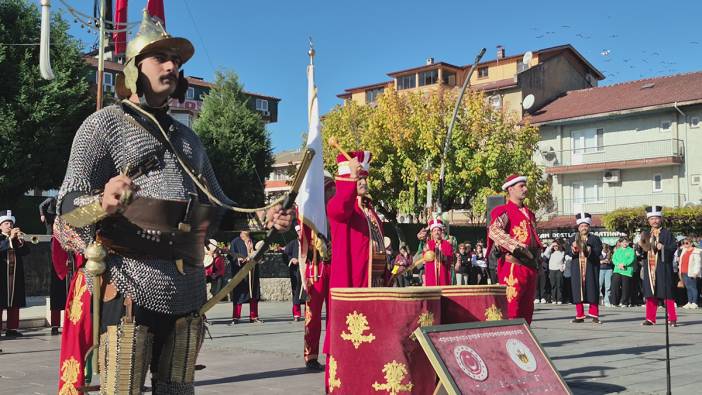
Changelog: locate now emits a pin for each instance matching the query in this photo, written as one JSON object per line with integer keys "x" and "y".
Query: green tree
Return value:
{"x": 683, "y": 220}
{"x": 236, "y": 140}
{"x": 38, "y": 118}
{"x": 405, "y": 132}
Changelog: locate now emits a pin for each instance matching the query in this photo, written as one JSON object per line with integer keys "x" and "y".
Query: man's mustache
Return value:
{"x": 169, "y": 76}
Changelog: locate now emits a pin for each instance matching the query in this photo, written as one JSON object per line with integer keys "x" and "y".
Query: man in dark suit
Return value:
{"x": 47, "y": 213}
{"x": 248, "y": 290}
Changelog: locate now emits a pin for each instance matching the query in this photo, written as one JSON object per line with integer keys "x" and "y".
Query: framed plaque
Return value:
{"x": 492, "y": 357}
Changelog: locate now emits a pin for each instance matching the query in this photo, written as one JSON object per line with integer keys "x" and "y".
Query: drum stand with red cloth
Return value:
{"x": 372, "y": 348}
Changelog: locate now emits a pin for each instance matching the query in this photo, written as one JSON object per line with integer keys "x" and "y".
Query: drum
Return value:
{"x": 372, "y": 349}
{"x": 470, "y": 303}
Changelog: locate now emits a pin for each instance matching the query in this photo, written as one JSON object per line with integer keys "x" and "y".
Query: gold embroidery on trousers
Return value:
{"x": 511, "y": 282}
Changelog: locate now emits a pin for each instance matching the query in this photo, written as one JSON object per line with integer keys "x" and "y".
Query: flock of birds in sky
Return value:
{"x": 616, "y": 62}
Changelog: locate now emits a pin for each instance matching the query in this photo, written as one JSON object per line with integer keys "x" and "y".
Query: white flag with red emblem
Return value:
{"x": 310, "y": 199}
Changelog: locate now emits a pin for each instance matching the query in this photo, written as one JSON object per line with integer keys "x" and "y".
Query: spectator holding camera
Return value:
{"x": 556, "y": 265}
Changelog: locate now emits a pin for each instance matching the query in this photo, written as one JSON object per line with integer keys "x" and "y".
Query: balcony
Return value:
{"x": 615, "y": 156}
{"x": 606, "y": 204}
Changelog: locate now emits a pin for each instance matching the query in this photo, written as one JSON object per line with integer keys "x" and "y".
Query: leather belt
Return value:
{"x": 161, "y": 229}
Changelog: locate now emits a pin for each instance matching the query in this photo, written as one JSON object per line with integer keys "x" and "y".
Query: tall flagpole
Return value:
{"x": 101, "y": 55}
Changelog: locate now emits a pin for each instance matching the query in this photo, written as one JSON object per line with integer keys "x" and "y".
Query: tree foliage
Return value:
{"x": 683, "y": 220}
{"x": 38, "y": 118}
{"x": 405, "y": 132}
{"x": 236, "y": 140}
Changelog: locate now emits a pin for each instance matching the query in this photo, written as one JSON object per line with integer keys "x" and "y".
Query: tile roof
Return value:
{"x": 284, "y": 158}
{"x": 632, "y": 95}
{"x": 495, "y": 85}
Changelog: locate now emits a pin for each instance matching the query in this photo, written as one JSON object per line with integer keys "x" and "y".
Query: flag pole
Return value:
{"x": 101, "y": 55}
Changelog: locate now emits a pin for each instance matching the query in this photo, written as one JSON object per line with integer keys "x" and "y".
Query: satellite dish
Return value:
{"x": 526, "y": 59}
{"x": 528, "y": 101}
{"x": 549, "y": 154}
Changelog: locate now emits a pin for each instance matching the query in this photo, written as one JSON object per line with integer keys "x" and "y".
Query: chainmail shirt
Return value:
{"x": 105, "y": 144}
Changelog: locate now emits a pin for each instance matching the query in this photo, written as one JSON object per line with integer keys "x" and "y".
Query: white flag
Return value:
{"x": 310, "y": 198}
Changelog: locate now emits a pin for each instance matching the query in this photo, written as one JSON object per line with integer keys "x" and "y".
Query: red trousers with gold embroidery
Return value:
{"x": 521, "y": 288}
{"x": 318, "y": 296}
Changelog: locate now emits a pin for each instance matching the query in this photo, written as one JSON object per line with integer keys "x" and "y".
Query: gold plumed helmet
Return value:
{"x": 152, "y": 37}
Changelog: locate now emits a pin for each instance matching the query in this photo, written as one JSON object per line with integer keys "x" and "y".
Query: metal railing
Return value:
{"x": 614, "y": 152}
{"x": 606, "y": 204}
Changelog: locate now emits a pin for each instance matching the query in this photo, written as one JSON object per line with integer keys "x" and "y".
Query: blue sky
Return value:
{"x": 358, "y": 42}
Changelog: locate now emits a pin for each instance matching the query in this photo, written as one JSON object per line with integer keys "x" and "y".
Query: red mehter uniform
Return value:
{"x": 437, "y": 272}
{"x": 513, "y": 231}
{"x": 358, "y": 251}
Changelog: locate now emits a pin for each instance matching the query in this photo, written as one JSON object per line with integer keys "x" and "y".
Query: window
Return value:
{"x": 182, "y": 117}
{"x": 483, "y": 72}
{"x": 107, "y": 79}
{"x": 279, "y": 174}
{"x": 694, "y": 122}
{"x": 372, "y": 94}
{"x": 406, "y": 82}
{"x": 262, "y": 105}
{"x": 665, "y": 126}
{"x": 428, "y": 77}
{"x": 448, "y": 78}
{"x": 190, "y": 93}
{"x": 657, "y": 183}
{"x": 496, "y": 102}
{"x": 588, "y": 141}
{"x": 587, "y": 192}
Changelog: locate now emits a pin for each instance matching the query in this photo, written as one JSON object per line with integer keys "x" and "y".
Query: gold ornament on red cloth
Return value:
{"x": 334, "y": 382}
{"x": 521, "y": 232}
{"x": 69, "y": 376}
{"x": 395, "y": 373}
{"x": 511, "y": 281}
{"x": 357, "y": 324}
{"x": 493, "y": 313}
{"x": 75, "y": 306}
{"x": 426, "y": 319}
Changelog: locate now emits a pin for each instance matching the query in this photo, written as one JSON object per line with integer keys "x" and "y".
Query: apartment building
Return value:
{"x": 625, "y": 145}
{"x": 505, "y": 80}
{"x": 284, "y": 166}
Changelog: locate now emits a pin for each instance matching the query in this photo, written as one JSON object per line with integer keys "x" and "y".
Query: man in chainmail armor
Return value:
{"x": 154, "y": 224}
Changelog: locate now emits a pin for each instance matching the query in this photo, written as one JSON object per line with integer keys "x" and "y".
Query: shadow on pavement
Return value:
{"x": 256, "y": 376}
{"x": 563, "y": 342}
{"x": 590, "y": 388}
{"x": 619, "y": 351}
